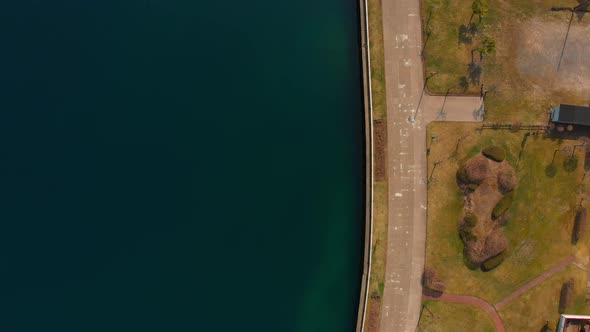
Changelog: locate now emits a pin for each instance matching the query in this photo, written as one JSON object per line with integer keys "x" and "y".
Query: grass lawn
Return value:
{"x": 521, "y": 91}
{"x": 543, "y": 210}
{"x": 377, "y": 59}
{"x": 378, "y": 260}
{"x": 453, "y": 317}
{"x": 541, "y": 303}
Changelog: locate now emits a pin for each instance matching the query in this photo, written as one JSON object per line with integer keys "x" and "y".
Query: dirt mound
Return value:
{"x": 380, "y": 148}
{"x": 483, "y": 238}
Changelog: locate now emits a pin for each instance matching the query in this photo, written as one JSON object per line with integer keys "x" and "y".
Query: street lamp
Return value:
{"x": 412, "y": 118}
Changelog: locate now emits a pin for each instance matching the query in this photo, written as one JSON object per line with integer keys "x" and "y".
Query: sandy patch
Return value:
{"x": 539, "y": 45}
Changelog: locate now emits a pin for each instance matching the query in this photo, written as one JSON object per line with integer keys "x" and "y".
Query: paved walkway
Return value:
{"x": 546, "y": 275}
{"x": 406, "y": 162}
{"x": 471, "y": 300}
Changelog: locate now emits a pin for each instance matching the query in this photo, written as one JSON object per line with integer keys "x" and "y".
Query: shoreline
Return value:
{"x": 369, "y": 172}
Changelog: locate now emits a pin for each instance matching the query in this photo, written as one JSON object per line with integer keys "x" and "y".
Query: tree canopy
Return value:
{"x": 480, "y": 8}
{"x": 487, "y": 46}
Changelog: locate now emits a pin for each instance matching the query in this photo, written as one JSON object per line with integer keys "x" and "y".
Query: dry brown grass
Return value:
{"x": 523, "y": 70}
{"x": 541, "y": 304}
{"x": 539, "y": 233}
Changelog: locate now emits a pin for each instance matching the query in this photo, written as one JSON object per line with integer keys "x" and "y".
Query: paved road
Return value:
{"x": 407, "y": 160}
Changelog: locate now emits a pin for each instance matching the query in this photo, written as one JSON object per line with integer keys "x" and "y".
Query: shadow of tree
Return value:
{"x": 464, "y": 35}
{"x": 474, "y": 71}
{"x": 584, "y": 6}
{"x": 551, "y": 170}
{"x": 463, "y": 83}
{"x": 467, "y": 32}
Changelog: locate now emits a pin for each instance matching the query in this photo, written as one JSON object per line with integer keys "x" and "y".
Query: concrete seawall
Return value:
{"x": 368, "y": 111}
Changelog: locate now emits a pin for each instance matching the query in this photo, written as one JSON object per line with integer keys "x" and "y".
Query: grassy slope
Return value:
{"x": 377, "y": 60}
{"x": 539, "y": 233}
{"x": 454, "y": 317}
{"x": 380, "y": 187}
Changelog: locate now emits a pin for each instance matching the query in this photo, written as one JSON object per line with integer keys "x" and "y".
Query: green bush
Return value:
{"x": 470, "y": 220}
{"x": 493, "y": 262}
{"x": 566, "y": 298}
{"x": 495, "y": 153}
{"x": 570, "y": 164}
{"x": 466, "y": 233}
{"x": 551, "y": 170}
{"x": 580, "y": 224}
{"x": 503, "y": 205}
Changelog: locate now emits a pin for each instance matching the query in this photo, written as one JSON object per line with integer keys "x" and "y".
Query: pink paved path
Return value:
{"x": 471, "y": 300}
{"x": 546, "y": 275}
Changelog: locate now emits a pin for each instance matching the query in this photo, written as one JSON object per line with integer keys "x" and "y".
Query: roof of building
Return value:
{"x": 571, "y": 114}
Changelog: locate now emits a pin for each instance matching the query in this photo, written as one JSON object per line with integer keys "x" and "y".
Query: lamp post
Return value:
{"x": 412, "y": 117}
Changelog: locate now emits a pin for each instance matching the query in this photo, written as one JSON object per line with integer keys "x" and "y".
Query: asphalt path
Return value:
{"x": 409, "y": 109}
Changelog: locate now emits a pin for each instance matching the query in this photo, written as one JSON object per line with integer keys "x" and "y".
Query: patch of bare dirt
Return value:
{"x": 372, "y": 323}
{"x": 380, "y": 141}
{"x": 539, "y": 44}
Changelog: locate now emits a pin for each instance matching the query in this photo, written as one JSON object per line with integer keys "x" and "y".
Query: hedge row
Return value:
{"x": 503, "y": 205}
{"x": 494, "y": 261}
{"x": 566, "y": 298}
{"x": 495, "y": 153}
{"x": 580, "y": 224}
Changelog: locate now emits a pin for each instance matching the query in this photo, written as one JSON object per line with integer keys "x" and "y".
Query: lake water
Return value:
{"x": 174, "y": 165}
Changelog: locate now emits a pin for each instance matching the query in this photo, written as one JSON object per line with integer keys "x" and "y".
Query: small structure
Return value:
{"x": 571, "y": 323}
{"x": 570, "y": 115}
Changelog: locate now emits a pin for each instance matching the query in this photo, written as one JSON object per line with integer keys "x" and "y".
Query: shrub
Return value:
{"x": 566, "y": 298}
{"x": 504, "y": 219}
{"x": 430, "y": 280}
{"x": 495, "y": 153}
{"x": 580, "y": 224}
{"x": 493, "y": 262}
{"x": 495, "y": 244}
{"x": 466, "y": 226}
{"x": 503, "y": 205}
{"x": 462, "y": 176}
{"x": 551, "y": 170}
{"x": 507, "y": 180}
{"x": 570, "y": 164}
{"x": 470, "y": 220}
{"x": 476, "y": 170}
{"x": 466, "y": 233}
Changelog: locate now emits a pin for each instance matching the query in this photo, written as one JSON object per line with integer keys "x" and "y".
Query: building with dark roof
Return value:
{"x": 571, "y": 114}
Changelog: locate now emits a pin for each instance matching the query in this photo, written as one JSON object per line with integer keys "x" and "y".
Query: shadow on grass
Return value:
{"x": 474, "y": 71}
{"x": 551, "y": 170}
{"x": 466, "y": 33}
{"x": 430, "y": 292}
{"x": 570, "y": 164}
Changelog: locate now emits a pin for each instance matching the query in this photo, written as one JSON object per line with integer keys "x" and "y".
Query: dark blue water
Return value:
{"x": 180, "y": 165}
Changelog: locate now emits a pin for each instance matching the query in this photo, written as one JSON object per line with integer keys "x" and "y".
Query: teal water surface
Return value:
{"x": 180, "y": 165}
